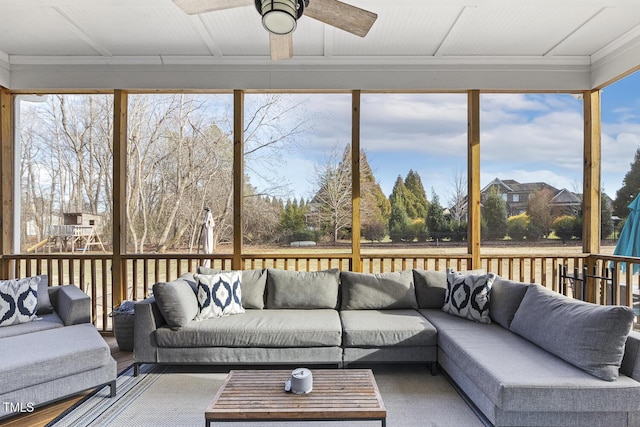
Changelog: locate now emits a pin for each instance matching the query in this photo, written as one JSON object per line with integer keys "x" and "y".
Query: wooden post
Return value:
{"x": 592, "y": 191}
{"x": 356, "y": 260}
{"x": 7, "y": 177}
{"x": 238, "y": 177}
{"x": 118, "y": 271}
{"x": 473, "y": 178}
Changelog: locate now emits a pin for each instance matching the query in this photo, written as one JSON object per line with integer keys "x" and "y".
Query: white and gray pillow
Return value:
{"x": 219, "y": 294}
{"x": 431, "y": 286}
{"x": 254, "y": 283}
{"x": 18, "y": 301}
{"x": 467, "y": 295}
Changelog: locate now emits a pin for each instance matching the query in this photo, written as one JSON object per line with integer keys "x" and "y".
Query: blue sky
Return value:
{"x": 526, "y": 137}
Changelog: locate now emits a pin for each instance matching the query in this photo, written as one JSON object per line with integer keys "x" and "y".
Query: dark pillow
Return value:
{"x": 431, "y": 286}
{"x": 176, "y": 301}
{"x": 299, "y": 289}
{"x": 589, "y": 336}
{"x": 44, "y": 302}
{"x": 379, "y": 291}
{"x": 506, "y": 296}
{"x": 254, "y": 283}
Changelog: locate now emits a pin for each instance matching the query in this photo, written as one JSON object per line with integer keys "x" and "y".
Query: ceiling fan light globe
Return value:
{"x": 279, "y": 16}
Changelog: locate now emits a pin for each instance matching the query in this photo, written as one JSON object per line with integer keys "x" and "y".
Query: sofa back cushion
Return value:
{"x": 505, "y": 298}
{"x": 254, "y": 283}
{"x": 431, "y": 286}
{"x": 177, "y": 300}
{"x": 380, "y": 291}
{"x": 300, "y": 289}
{"x": 589, "y": 336}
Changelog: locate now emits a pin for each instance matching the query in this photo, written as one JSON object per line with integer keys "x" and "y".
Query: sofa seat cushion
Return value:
{"x": 42, "y": 323}
{"x": 382, "y": 328}
{"x": 259, "y": 328}
{"x": 36, "y": 358}
{"x": 517, "y": 375}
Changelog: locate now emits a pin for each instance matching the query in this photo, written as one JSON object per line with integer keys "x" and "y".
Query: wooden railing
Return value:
{"x": 92, "y": 273}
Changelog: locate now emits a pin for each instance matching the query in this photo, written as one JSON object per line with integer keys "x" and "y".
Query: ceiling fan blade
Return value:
{"x": 281, "y": 46}
{"x": 194, "y": 7}
{"x": 341, "y": 15}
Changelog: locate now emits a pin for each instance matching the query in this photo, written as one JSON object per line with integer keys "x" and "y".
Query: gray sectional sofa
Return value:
{"x": 57, "y": 355}
{"x": 539, "y": 358}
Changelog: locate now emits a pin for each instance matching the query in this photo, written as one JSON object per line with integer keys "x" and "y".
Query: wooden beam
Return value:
{"x": 118, "y": 271}
{"x": 592, "y": 191}
{"x": 473, "y": 178}
{"x": 592, "y": 173}
{"x": 356, "y": 261}
{"x": 7, "y": 177}
{"x": 238, "y": 177}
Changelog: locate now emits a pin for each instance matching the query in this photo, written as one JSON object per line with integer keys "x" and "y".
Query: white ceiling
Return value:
{"x": 414, "y": 45}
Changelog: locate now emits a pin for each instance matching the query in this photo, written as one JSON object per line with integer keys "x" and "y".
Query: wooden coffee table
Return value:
{"x": 337, "y": 395}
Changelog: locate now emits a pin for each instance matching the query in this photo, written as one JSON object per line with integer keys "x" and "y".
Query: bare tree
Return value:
{"x": 458, "y": 195}
{"x": 331, "y": 205}
{"x": 180, "y": 159}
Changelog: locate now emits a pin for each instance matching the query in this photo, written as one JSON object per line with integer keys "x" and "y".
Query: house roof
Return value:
{"x": 526, "y": 45}
{"x": 513, "y": 186}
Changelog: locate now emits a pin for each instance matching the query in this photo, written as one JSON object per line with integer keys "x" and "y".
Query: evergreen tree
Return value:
{"x": 436, "y": 221}
{"x": 399, "y": 224}
{"x": 293, "y": 218}
{"x": 494, "y": 211}
{"x": 374, "y": 205}
{"x": 416, "y": 198}
{"x": 629, "y": 190}
{"x": 606, "y": 223}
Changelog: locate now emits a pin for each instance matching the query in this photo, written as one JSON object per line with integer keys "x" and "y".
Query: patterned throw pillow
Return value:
{"x": 18, "y": 301}
{"x": 467, "y": 295}
{"x": 219, "y": 294}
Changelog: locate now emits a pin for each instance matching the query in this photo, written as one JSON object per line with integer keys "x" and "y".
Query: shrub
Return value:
{"x": 374, "y": 231}
{"x": 565, "y": 227}
{"x": 419, "y": 228}
{"x": 304, "y": 235}
{"x": 517, "y": 226}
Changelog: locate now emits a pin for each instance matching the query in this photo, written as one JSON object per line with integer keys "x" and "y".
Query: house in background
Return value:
{"x": 517, "y": 196}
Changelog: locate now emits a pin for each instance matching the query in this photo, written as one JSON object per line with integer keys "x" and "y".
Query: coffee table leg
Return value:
{"x": 384, "y": 422}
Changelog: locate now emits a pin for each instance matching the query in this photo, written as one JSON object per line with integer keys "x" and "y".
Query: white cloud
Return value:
{"x": 526, "y": 137}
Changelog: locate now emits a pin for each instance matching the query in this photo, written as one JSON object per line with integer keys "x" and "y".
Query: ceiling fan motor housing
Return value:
{"x": 280, "y": 16}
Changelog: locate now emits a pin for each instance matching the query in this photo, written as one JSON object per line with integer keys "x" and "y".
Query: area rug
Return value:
{"x": 178, "y": 396}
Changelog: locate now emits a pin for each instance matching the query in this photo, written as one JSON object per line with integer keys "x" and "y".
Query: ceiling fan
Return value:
{"x": 279, "y": 17}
